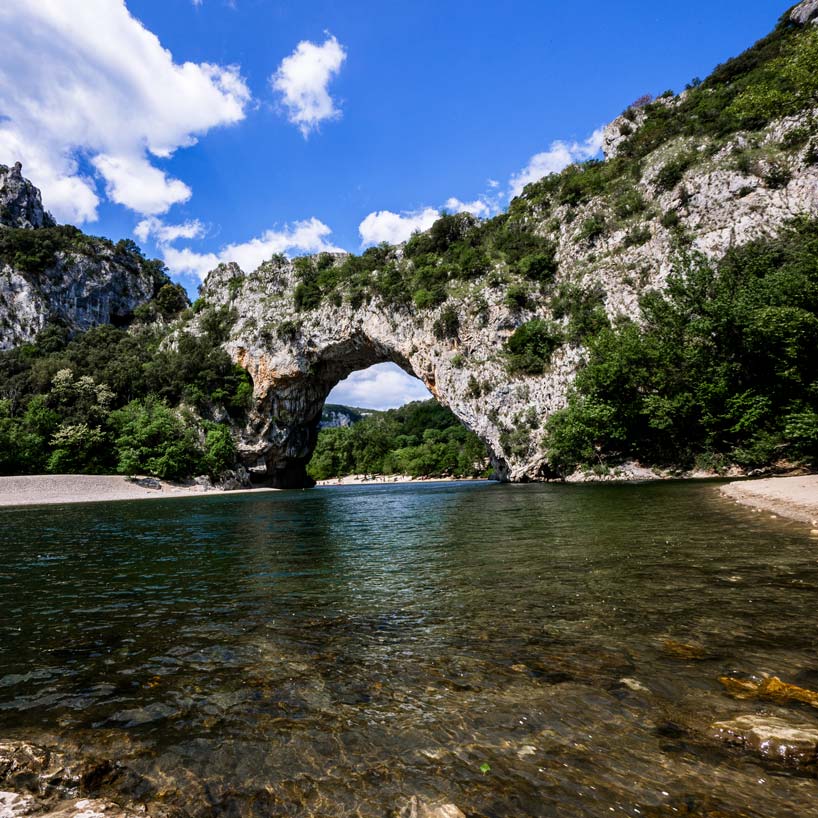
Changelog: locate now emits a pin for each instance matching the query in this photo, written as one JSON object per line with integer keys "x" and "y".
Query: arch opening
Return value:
{"x": 286, "y": 421}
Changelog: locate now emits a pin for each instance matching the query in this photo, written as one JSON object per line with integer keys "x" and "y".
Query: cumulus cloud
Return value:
{"x": 383, "y": 386}
{"x": 308, "y": 236}
{"x": 134, "y": 182}
{"x": 83, "y": 80}
{"x": 385, "y": 225}
{"x": 556, "y": 158}
{"x": 167, "y": 233}
{"x": 303, "y": 81}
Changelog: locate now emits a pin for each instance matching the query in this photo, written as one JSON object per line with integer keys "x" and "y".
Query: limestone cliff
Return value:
{"x": 57, "y": 273}
{"x": 703, "y": 191}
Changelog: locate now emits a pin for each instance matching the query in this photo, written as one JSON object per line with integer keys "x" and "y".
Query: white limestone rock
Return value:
{"x": 805, "y": 12}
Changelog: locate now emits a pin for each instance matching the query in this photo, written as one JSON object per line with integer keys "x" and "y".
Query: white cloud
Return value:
{"x": 383, "y": 386}
{"x": 137, "y": 184}
{"x": 84, "y": 80}
{"x": 556, "y": 158}
{"x": 308, "y": 236}
{"x": 479, "y": 207}
{"x": 167, "y": 233}
{"x": 384, "y": 225}
{"x": 302, "y": 80}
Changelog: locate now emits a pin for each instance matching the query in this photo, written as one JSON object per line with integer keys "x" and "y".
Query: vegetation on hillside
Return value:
{"x": 421, "y": 439}
{"x": 141, "y": 401}
{"x": 721, "y": 368}
{"x": 35, "y": 251}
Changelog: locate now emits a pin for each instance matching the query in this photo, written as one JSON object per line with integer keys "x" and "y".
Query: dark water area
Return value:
{"x": 336, "y": 651}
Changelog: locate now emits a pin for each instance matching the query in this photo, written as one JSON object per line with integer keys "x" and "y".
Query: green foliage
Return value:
{"x": 777, "y": 176}
{"x": 541, "y": 266}
{"x": 456, "y": 248}
{"x": 721, "y": 367}
{"x": 629, "y": 203}
{"x": 34, "y": 251}
{"x": 516, "y": 297}
{"x": 796, "y": 138}
{"x": 287, "y": 330}
{"x": 784, "y": 85}
{"x": 593, "y": 228}
{"x": 447, "y": 324}
{"x": 171, "y": 300}
{"x": 637, "y": 237}
{"x": 584, "y": 309}
{"x": 673, "y": 171}
{"x": 60, "y": 396}
{"x": 151, "y": 438}
{"x": 530, "y": 347}
{"x": 670, "y": 219}
{"x": 420, "y": 439}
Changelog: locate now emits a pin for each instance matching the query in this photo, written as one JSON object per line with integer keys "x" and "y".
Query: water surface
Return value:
{"x": 333, "y": 652}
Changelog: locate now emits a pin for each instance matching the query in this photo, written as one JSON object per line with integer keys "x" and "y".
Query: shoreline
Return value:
{"x": 69, "y": 489}
{"x": 795, "y": 498}
{"x": 392, "y": 479}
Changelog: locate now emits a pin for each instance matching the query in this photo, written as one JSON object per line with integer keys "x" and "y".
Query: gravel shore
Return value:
{"x": 792, "y": 497}
{"x": 59, "y": 489}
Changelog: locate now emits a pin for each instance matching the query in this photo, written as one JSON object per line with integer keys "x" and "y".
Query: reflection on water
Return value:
{"x": 333, "y": 652}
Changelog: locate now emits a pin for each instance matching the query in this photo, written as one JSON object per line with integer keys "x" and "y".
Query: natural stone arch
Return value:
{"x": 286, "y": 417}
{"x": 295, "y": 358}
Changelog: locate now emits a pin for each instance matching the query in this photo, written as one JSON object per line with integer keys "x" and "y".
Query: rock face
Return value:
{"x": 20, "y": 202}
{"x": 805, "y": 12}
{"x": 50, "y": 273}
{"x": 296, "y": 356}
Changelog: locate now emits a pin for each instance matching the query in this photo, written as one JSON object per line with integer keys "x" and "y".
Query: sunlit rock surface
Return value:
{"x": 86, "y": 282}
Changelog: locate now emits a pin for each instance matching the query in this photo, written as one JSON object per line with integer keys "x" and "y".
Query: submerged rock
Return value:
{"x": 25, "y": 766}
{"x": 683, "y": 650}
{"x": 13, "y": 805}
{"x": 418, "y": 808}
{"x": 771, "y": 737}
{"x": 771, "y": 688}
{"x": 36, "y": 780}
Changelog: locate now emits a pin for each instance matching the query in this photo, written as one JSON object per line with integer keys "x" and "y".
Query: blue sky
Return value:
{"x": 218, "y": 129}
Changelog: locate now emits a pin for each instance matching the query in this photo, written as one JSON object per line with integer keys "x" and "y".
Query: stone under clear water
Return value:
{"x": 511, "y": 650}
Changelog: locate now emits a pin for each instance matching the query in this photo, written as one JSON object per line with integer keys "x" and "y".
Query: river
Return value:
{"x": 513, "y": 650}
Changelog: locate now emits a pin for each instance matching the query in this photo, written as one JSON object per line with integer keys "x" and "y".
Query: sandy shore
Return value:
{"x": 792, "y": 497}
{"x": 388, "y": 479}
{"x": 59, "y": 489}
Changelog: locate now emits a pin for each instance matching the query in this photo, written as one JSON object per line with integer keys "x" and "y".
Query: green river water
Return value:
{"x": 334, "y": 652}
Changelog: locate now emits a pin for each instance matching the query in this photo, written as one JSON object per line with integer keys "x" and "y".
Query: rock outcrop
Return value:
{"x": 295, "y": 356}
{"x": 20, "y": 202}
{"x": 50, "y": 273}
{"x": 806, "y": 12}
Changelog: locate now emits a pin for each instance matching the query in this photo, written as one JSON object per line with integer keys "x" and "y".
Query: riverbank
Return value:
{"x": 793, "y": 497}
{"x": 62, "y": 489}
{"x": 389, "y": 479}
